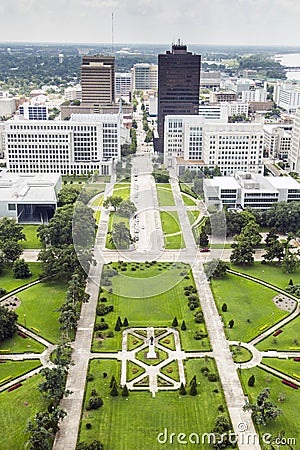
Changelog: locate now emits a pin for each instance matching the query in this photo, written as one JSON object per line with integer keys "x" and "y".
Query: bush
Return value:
{"x": 101, "y": 326}
{"x": 212, "y": 377}
{"x": 88, "y": 426}
{"x": 104, "y": 309}
{"x": 251, "y": 380}
{"x": 2, "y": 292}
{"x": 199, "y": 317}
{"x": 21, "y": 269}
{"x": 90, "y": 377}
{"x": 94, "y": 403}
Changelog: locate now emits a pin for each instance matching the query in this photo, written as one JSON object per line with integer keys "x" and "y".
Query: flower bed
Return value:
{"x": 288, "y": 383}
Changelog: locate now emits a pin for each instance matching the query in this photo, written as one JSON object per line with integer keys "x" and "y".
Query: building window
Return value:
{"x": 11, "y": 207}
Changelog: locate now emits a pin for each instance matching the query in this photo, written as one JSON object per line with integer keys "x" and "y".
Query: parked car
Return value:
{"x": 204, "y": 250}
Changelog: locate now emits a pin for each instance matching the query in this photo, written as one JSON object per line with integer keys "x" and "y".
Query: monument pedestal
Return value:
{"x": 151, "y": 353}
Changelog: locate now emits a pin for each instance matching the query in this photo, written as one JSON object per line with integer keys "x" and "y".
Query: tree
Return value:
{"x": 274, "y": 248}
{"x": 243, "y": 251}
{"x": 54, "y": 385}
{"x": 203, "y": 240}
{"x": 263, "y": 411}
{"x": 193, "y": 390}
{"x": 175, "y": 322}
{"x": 221, "y": 431}
{"x": 125, "y": 391}
{"x": 182, "y": 390}
{"x": 251, "y": 380}
{"x": 114, "y": 390}
{"x": 183, "y": 326}
{"x": 216, "y": 268}
{"x": 68, "y": 194}
{"x": 290, "y": 262}
{"x": 198, "y": 186}
{"x": 224, "y": 307}
{"x": 127, "y": 208}
{"x": 8, "y": 321}
{"x": 120, "y": 235}
{"x": 10, "y": 231}
{"x": 114, "y": 201}
{"x": 231, "y": 323}
{"x": 117, "y": 326}
{"x": 11, "y": 250}
{"x": 125, "y": 322}
{"x": 21, "y": 269}
{"x": 43, "y": 428}
{"x": 112, "y": 381}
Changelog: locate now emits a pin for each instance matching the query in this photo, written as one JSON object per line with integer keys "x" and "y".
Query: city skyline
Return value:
{"x": 210, "y": 22}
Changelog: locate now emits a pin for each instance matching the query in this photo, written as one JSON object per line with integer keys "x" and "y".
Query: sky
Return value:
{"x": 234, "y": 22}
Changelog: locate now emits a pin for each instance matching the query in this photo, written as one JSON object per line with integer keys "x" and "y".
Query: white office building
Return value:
{"x": 287, "y": 95}
{"x": 85, "y": 144}
{"x": 254, "y": 95}
{"x": 294, "y": 155}
{"x": 29, "y": 199}
{"x": 144, "y": 76}
{"x": 214, "y": 112}
{"x": 33, "y": 111}
{"x": 210, "y": 80}
{"x": 123, "y": 84}
{"x": 277, "y": 140}
{"x": 73, "y": 93}
{"x": 249, "y": 190}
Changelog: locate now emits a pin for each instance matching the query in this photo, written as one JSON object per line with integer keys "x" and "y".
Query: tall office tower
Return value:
{"x": 294, "y": 155}
{"x": 178, "y": 85}
{"x": 144, "y": 76}
{"x": 98, "y": 81}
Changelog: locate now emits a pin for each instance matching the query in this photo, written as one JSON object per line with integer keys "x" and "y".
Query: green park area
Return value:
{"x": 287, "y": 340}
{"x": 19, "y": 344}
{"x": 39, "y": 304}
{"x": 193, "y": 215}
{"x": 9, "y": 370}
{"x": 172, "y": 231}
{"x": 188, "y": 200}
{"x": 122, "y": 190}
{"x": 285, "y": 397}
{"x": 288, "y": 366}
{"x": 32, "y": 241}
{"x": 249, "y": 305}
{"x": 144, "y": 417}
{"x": 9, "y": 283}
{"x": 164, "y": 194}
{"x": 150, "y": 294}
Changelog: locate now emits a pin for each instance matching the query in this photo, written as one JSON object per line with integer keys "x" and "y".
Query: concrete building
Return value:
{"x": 7, "y": 107}
{"x": 249, "y": 190}
{"x": 210, "y": 80}
{"x": 33, "y": 112}
{"x": 178, "y": 86}
{"x": 98, "y": 81}
{"x": 277, "y": 140}
{"x": 222, "y": 96}
{"x": 230, "y": 146}
{"x": 144, "y": 76}
{"x": 287, "y": 95}
{"x": 214, "y": 112}
{"x": 254, "y": 95}
{"x": 73, "y": 93}
{"x": 29, "y": 199}
{"x": 237, "y": 108}
{"x": 82, "y": 145}
{"x": 294, "y": 155}
{"x": 123, "y": 84}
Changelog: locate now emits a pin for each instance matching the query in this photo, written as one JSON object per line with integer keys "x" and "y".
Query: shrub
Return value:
{"x": 94, "y": 403}
{"x": 212, "y": 377}
{"x": 88, "y": 426}
{"x": 182, "y": 390}
{"x": 104, "y": 309}
{"x": 199, "y": 317}
{"x": 175, "y": 322}
{"x": 251, "y": 380}
{"x": 224, "y": 307}
{"x": 101, "y": 326}
{"x": 183, "y": 326}
{"x": 90, "y": 377}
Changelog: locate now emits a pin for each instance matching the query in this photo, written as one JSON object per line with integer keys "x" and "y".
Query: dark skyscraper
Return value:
{"x": 178, "y": 85}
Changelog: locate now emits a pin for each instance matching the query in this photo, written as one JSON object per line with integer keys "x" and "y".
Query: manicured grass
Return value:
{"x": 197, "y": 230}
{"x": 114, "y": 218}
{"x": 249, "y": 304}
{"x": 143, "y": 417}
{"x": 16, "y": 408}
{"x": 97, "y": 215}
{"x": 286, "y": 366}
{"x": 133, "y": 342}
{"x": 170, "y": 222}
{"x": 188, "y": 201}
{"x": 74, "y": 179}
{"x": 240, "y": 354}
{"x": 17, "y": 368}
{"x": 220, "y": 246}
{"x": 168, "y": 341}
{"x": 288, "y": 421}
{"x": 133, "y": 371}
{"x": 270, "y": 273}
{"x": 187, "y": 190}
{"x": 165, "y": 195}
{"x": 39, "y": 304}
{"x": 122, "y": 190}
{"x": 97, "y": 187}
{"x": 98, "y": 201}
{"x": 32, "y": 240}
{"x": 284, "y": 341}
{"x": 151, "y": 297}
{"x": 193, "y": 215}
{"x": 17, "y": 344}
{"x": 8, "y": 282}
{"x": 171, "y": 370}
{"x": 174, "y": 242}
{"x": 142, "y": 356}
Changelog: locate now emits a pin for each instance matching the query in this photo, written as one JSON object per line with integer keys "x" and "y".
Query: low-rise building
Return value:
{"x": 29, "y": 199}
{"x": 33, "y": 112}
{"x": 277, "y": 140}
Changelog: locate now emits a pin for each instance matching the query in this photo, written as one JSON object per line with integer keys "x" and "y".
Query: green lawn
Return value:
{"x": 98, "y": 201}
{"x": 287, "y": 366}
{"x": 270, "y": 273}
{"x": 17, "y": 344}
{"x": 240, "y": 354}
{"x": 122, "y": 190}
{"x": 136, "y": 421}
{"x": 170, "y": 222}
{"x": 8, "y": 282}
{"x": 288, "y": 421}
{"x": 151, "y": 296}
{"x": 188, "y": 201}
{"x": 39, "y": 304}
{"x": 193, "y": 215}
{"x": 16, "y": 408}
{"x": 284, "y": 341}
{"x": 32, "y": 240}
{"x": 165, "y": 195}
{"x": 174, "y": 242}
{"x": 15, "y": 369}
{"x": 249, "y": 304}
{"x": 187, "y": 190}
